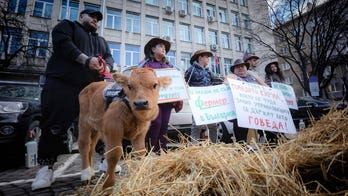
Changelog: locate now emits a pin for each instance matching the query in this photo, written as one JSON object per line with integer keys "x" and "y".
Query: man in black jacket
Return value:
{"x": 73, "y": 65}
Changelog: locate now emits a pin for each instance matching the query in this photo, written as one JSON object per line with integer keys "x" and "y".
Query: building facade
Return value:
{"x": 221, "y": 26}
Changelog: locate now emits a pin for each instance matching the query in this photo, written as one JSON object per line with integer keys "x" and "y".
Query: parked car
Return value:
{"x": 20, "y": 113}
{"x": 310, "y": 107}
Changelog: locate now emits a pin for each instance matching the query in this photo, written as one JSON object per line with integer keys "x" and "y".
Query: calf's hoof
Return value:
{"x": 87, "y": 174}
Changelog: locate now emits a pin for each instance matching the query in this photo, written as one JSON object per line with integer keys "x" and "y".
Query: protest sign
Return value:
{"x": 288, "y": 93}
{"x": 211, "y": 104}
{"x": 176, "y": 90}
{"x": 261, "y": 107}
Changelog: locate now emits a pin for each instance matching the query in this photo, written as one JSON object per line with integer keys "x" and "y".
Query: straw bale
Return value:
{"x": 313, "y": 163}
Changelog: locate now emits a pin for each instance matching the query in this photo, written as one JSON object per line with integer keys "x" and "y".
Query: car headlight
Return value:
{"x": 13, "y": 107}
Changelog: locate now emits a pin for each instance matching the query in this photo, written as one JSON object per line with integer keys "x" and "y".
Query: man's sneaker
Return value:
{"x": 44, "y": 178}
{"x": 104, "y": 165}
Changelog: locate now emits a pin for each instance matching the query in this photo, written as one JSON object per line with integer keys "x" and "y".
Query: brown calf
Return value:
{"x": 118, "y": 121}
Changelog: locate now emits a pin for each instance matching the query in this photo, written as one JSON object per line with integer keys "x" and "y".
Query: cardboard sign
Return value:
{"x": 288, "y": 93}
{"x": 176, "y": 90}
{"x": 211, "y": 104}
{"x": 261, "y": 107}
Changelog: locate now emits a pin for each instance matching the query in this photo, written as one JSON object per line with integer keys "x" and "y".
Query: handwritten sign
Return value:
{"x": 288, "y": 93}
{"x": 261, "y": 107}
{"x": 211, "y": 104}
{"x": 176, "y": 90}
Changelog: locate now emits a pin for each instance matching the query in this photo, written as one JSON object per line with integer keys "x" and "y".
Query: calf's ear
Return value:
{"x": 164, "y": 81}
{"x": 121, "y": 79}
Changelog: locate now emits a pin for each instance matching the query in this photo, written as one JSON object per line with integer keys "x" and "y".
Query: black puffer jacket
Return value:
{"x": 195, "y": 76}
{"x": 70, "y": 39}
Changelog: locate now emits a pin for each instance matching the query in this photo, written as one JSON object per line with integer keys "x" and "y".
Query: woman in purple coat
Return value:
{"x": 155, "y": 51}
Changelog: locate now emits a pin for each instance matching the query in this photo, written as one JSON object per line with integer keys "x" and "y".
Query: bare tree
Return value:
{"x": 312, "y": 34}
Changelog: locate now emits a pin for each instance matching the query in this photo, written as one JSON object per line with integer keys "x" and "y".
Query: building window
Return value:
{"x": 225, "y": 40}
{"x": 222, "y": 15}
{"x": 113, "y": 19}
{"x": 238, "y": 43}
{"x": 171, "y": 58}
{"x": 14, "y": 38}
{"x": 168, "y": 29}
{"x": 215, "y": 64}
{"x": 213, "y": 38}
{"x": 285, "y": 66}
{"x": 132, "y": 55}
{"x": 234, "y": 1}
{"x": 43, "y": 8}
{"x": 37, "y": 44}
{"x": 115, "y": 52}
{"x": 132, "y": 22}
{"x": 183, "y": 5}
{"x": 288, "y": 80}
{"x": 197, "y": 8}
{"x": 249, "y": 45}
{"x": 17, "y": 6}
{"x": 283, "y": 50}
{"x": 246, "y": 21}
{"x": 185, "y": 60}
{"x": 152, "y": 2}
{"x": 169, "y": 3}
{"x": 243, "y": 3}
{"x": 73, "y": 10}
{"x": 152, "y": 26}
{"x": 235, "y": 18}
{"x": 211, "y": 10}
{"x": 227, "y": 65}
{"x": 93, "y": 7}
{"x": 184, "y": 32}
{"x": 199, "y": 35}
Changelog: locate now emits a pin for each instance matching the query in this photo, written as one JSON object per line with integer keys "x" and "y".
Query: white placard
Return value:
{"x": 288, "y": 93}
{"x": 176, "y": 90}
{"x": 261, "y": 107}
{"x": 211, "y": 104}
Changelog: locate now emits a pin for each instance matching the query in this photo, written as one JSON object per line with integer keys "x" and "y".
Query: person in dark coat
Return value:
{"x": 73, "y": 65}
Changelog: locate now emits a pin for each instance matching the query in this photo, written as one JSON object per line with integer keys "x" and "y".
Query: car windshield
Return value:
{"x": 28, "y": 92}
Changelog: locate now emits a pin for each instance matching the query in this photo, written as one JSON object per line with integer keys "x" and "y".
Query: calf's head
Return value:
{"x": 142, "y": 89}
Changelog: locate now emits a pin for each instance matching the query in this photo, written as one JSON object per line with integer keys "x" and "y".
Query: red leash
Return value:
{"x": 102, "y": 62}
